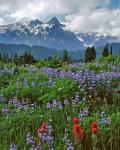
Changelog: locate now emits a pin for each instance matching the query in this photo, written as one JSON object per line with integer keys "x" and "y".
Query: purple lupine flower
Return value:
{"x": 5, "y": 111}
{"x": 30, "y": 139}
{"x": 67, "y": 140}
{"x": 50, "y": 82}
{"x": 50, "y": 140}
{"x": 12, "y": 147}
{"x": 84, "y": 113}
{"x": 47, "y": 136}
{"x": 55, "y": 103}
{"x": 49, "y": 105}
{"x": 105, "y": 121}
{"x": 36, "y": 148}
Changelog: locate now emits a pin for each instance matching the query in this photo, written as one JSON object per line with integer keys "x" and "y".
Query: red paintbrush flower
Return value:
{"x": 75, "y": 120}
{"x": 40, "y": 130}
{"x": 94, "y": 124}
{"x": 82, "y": 133}
{"x": 94, "y": 130}
{"x": 44, "y": 125}
{"x": 76, "y": 128}
{"x": 78, "y": 133}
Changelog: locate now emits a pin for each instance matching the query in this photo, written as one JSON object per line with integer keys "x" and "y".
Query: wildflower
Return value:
{"x": 40, "y": 130}
{"x": 82, "y": 133}
{"x": 94, "y": 124}
{"x": 12, "y": 147}
{"x": 45, "y": 134}
{"x": 30, "y": 139}
{"x": 94, "y": 130}
{"x": 36, "y": 148}
{"x": 44, "y": 125}
{"x": 76, "y": 132}
{"x": 76, "y": 129}
{"x": 84, "y": 113}
{"x": 105, "y": 121}
{"x": 5, "y": 111}
{"x": 75, "y": 120}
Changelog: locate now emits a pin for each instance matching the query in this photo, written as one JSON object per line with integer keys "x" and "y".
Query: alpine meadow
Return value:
{"x": 60, "y": 75}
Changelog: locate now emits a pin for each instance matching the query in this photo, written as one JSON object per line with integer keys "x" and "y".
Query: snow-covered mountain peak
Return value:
{"x": 35, "y": 22}
{"x": 54, "y": 21}
{"x": 51, "y": 34}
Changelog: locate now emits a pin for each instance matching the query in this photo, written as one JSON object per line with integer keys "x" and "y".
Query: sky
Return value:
{"x": 78, "y": 15}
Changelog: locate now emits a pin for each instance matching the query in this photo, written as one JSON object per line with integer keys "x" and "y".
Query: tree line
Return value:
{"x": 90, "y": 53}
{"x": 27, "y": 57}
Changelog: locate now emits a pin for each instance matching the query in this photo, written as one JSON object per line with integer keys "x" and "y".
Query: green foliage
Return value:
{"x": 55, "y": 62}
{"x": 67, "y": 68}
{"x": 63, "y": 88}
{"x": 110, "y": 59}
{"x": 92, "y": 66}
{"x": 52, "y": 62}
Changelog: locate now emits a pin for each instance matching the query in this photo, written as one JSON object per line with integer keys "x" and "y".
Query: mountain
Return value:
{"x": 95, "y": 38}
{"x": 51, "y": 34}
{"x": 35, "y": 22}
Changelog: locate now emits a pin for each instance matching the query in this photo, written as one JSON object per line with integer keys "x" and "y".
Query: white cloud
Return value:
{"x": 99, "y": 20}
{"x": 17, "y": 9}
{"x": 80, "y": 15}
{"x": 1, "y": 21}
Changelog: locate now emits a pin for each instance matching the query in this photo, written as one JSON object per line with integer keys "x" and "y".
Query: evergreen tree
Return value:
{"x": 111, "y": 51}
{"x": 0, "y": 57}
{"x": 106, "y": 51}
{"x": 4, "y": 57}
{"x": 66, "y": 57}
{"x": 15, "y": 59}
{"x": 7, "y": 58}
{"x": 12, "y": 56}
{"x": 90, "y": 54}
{"x": 26, "y": 58}
{"x": 93, "y": 53}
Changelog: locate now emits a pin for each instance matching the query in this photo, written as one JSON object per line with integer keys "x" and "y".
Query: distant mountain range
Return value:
{"x": 52, "y": 35}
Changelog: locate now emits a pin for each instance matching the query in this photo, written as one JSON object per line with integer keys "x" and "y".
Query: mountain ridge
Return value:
{"x": 51, "y": 34}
